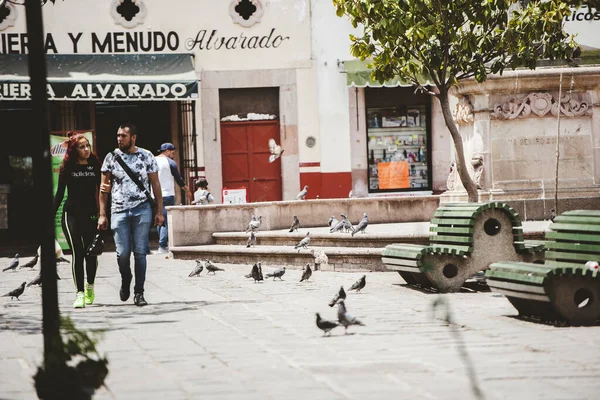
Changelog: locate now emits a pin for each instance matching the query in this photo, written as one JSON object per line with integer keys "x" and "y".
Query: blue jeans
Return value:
{"x": 163, "y": 232}
{"x": 130, "y": 229}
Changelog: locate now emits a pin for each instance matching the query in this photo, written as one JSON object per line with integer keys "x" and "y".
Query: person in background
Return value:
{"x": 80, "y": 174}
{"x": 167, "y": 175}
{"x": 131, "y": 211}
{"x": 202, "y": 195}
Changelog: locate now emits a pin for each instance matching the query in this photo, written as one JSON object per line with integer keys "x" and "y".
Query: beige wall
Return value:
{"x": 289, "y": 19}
{"x": 288, "y": 117}
{"x": 195, "y": 225}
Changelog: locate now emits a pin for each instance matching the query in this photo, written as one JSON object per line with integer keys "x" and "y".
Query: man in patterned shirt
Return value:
{"x": 131, "y": 212}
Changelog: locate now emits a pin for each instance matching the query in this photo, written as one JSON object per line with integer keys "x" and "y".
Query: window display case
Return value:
{"x": 398, "y": 148}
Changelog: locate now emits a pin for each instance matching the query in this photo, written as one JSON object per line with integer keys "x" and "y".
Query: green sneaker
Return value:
{"x": 79, "y": 301}
{"x": 89, "y": 294}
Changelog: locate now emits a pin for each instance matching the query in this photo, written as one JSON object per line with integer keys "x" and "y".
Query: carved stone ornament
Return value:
{"x": 452, "y": 176}
{"x": 246, "y": 12}
{"x": 476, "y": 170}
{"x": 8, "y": 15}
{"x": 540, "y": 105}
{"x": 463, "y": 113}
{"x": 128, "y": 13}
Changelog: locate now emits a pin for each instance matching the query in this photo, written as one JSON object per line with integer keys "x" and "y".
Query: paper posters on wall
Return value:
{"x": 393, "y": 175}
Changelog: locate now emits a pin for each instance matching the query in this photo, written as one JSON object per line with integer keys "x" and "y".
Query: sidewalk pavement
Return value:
{"x": 225, "y": 337}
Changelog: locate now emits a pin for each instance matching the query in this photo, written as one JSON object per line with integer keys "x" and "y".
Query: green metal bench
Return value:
{"x": 465, "y": 238}
{"x": 563, "y": 288}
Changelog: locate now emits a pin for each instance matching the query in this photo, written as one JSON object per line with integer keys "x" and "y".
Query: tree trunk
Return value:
{"x": 461, "y": 165}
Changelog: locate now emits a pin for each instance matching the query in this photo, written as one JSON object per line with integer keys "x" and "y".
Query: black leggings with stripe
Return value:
{"x": 80, "y": 229}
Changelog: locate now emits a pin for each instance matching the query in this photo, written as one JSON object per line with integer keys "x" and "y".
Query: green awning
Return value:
{"x": 359, "y": 75}
{"x": 103, "y": 77}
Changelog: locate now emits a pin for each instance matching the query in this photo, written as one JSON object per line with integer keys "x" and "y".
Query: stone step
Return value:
{"x": 287, "y": 239}
{"x": 340, "y": 258}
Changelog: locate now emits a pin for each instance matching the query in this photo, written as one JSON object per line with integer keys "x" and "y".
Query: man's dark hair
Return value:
{"x": 132, "y": 128}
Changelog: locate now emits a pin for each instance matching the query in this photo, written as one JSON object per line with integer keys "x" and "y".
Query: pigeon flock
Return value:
{"x": 344, "y": 318}
{"x": 343, "y": 225}
{"x": 14, "y": 265}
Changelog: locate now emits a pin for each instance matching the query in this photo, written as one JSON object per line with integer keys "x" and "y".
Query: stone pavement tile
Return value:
{"x": 225, "y": 337}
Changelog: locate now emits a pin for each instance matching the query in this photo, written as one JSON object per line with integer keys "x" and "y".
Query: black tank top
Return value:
{"x": 81, "y": 182}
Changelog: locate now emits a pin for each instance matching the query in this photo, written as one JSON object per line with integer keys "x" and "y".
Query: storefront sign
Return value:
{"x": 234, "y": 196}
{"x": 143, "y": 42}
{"x": 584, "y": 23}
{"x": 102, "y": 91}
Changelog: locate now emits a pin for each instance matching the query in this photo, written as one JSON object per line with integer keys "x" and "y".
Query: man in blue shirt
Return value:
{"x": 167, "y": 175}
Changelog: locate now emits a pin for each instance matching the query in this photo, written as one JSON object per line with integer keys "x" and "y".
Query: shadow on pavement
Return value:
{"x": 24, "y": 324}
{"x": 556, "y": 324}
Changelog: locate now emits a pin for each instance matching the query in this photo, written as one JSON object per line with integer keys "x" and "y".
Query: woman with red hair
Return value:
{"x": 80, "y": 174}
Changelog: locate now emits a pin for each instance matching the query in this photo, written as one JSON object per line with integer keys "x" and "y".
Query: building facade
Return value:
{"x": 219, "y": 79}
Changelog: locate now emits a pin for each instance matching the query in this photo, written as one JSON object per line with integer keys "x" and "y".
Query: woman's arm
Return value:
{"x": 102, "y": 221}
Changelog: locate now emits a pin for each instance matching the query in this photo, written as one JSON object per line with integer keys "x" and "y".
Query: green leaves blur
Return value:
{"x": 447, "y": 41}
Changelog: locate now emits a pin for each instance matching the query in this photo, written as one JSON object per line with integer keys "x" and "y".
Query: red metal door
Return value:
{"x": 245, "y": 158}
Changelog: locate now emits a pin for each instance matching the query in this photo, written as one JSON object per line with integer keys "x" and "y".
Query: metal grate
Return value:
{"x": 187, "y": 139}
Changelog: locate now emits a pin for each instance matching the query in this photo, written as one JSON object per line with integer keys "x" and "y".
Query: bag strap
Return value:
{"x": 133, "y": 177}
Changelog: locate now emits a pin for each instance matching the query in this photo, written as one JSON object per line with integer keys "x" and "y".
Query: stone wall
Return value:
{"x": 194, "y": 225}
{"x": 513, "y": 122}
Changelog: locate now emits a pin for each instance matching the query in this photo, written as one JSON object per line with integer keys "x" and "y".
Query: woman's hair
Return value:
{"x": 201, "y": 183}
{"x": 71, "y": 154}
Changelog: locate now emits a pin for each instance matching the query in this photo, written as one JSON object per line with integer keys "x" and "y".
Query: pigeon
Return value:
{"x": 17, "y": 292}
{"x": 359, "y": 284}
{"x": 295, "y": 224}
{"x": 278, "y": 273}
{"x": 347, "y": 224}
{"x": 197, "y": 270}
{"x": 260, "y": 273}
{"x": 62, "y": 259}
{"x": 344, "y": 224}
{"x": 38, "y": 280}
{"x": 552, "y": 215}
{"x": 254, "y": 223}
{"x": 14, "y": 263}
{"x": 338, "y": 226}
{"x": 254, "y": 267}
{"x": 256, "y": 273}
{"x": 362, "y": 225}
{"x": 345, "y": 318}
{"x": 251, "y": 239}
{"x": 306, "y": 273}
{"x": 303, "y": 243}
{"x": 324, "y": 325}
{"x": 31, "y": 263}
{"x": 210, "y": 267}
{"x": 275, "y": 150}
{"x": 332, "y": 222}
{"x": 302, "y": 194}
{"x": 339, "y": 296}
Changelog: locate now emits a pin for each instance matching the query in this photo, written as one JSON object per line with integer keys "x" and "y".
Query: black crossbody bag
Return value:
{"x": 137, "y": 182}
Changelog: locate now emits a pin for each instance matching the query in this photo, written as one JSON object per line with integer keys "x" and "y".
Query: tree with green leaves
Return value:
{"x": 449, "y": 41}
